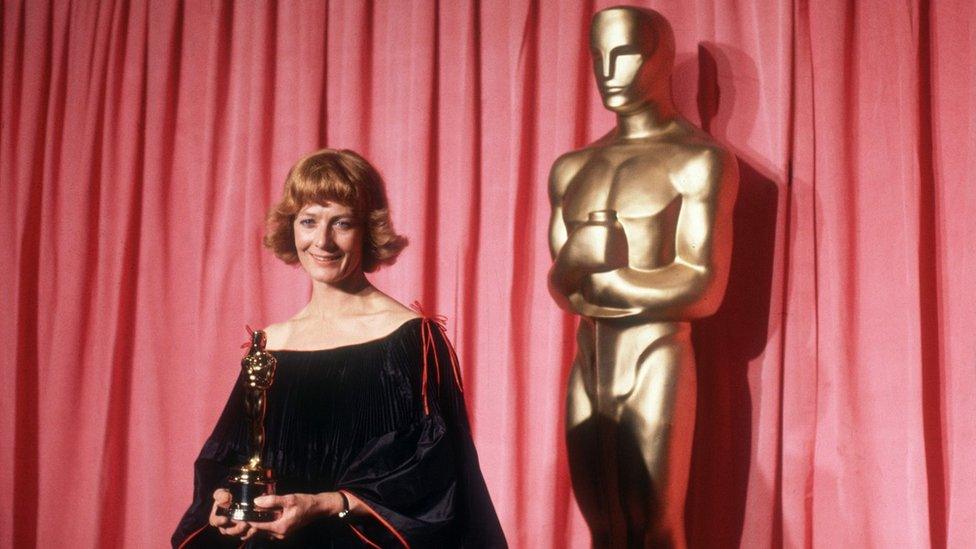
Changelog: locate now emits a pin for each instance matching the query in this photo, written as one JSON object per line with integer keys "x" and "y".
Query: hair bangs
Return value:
{"x": 318, "y": 184}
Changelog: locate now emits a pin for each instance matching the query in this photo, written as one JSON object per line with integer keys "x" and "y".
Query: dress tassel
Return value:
{"x": 428, "y": 347}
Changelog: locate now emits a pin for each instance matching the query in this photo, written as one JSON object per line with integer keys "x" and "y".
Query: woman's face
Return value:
{"x": 329, "y": 241}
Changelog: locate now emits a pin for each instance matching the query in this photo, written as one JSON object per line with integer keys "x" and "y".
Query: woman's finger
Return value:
{"x": 221, "y": 499}
{"x": 274, "y": 501}
{"x": 219, "y": 521}
{"x": 236, "y": 529}
{"x": 273, "y": 527}
{"x": 249, "y": 533}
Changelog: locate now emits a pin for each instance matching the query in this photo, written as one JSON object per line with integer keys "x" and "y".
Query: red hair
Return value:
{"x": 341, "y": 176}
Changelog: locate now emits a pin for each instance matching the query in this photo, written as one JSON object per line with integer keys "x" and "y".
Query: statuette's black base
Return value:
{"x": 244, "y": 487}
{"x": 257, "y": 514}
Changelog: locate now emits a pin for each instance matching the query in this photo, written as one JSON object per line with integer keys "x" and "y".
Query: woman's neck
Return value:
{"x": 349, "y": 297}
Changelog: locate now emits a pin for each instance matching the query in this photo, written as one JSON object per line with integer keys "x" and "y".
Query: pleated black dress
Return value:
{"x": 384, "y": 420}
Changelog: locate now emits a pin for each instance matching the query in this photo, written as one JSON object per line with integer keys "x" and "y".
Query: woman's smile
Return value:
{"x": 325, "y": 258}
{"x": 329, "y": 242}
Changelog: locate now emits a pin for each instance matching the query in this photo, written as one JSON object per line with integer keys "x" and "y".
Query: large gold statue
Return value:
{"x": 641, "y": 237}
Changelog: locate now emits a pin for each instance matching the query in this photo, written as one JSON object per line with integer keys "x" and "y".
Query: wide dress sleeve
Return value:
{"x": 423, "y": 486}
{"x": 223, "y": 449}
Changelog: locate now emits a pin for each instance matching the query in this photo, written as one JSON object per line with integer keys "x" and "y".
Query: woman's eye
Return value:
{"x": 343, "y": 224}
{"x": 306, "y": 222}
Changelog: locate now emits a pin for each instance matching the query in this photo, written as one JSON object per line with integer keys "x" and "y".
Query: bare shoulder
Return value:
{"x": 703, "y": 167}
{"x": 391, "y": 312}
{"x": 277, "y": 334}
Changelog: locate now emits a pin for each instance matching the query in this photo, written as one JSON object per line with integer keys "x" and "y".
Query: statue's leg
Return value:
{"x": 655, "y": 438}
{"x": 586, "y": 433}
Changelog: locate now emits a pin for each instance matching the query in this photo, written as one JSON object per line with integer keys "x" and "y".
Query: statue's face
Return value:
{"x": 621, "y": 49}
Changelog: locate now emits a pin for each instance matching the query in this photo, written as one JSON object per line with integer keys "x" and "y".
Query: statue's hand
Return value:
{"x": 580, "y": 305}
{"x": 577, "y": 304}
{"x": 594, "y": 248}
{"x": 596, "y": 288}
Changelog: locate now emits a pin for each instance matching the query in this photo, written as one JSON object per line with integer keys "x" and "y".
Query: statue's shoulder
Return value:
{"x": 565, "y": 168}
{"x": 696, "y": 143}
{"x": 702, "y": 164}
{"x": 571, "y": 161}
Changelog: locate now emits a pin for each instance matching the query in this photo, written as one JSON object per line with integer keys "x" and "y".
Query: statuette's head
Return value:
{"x": 633, "y": 55}
{"x": 333, "y": 219}
{"x": 259, "y": 370}
{"x": 259, "y": 365}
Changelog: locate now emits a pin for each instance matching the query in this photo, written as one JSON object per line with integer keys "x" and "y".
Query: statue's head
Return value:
{"x": 633, "y": 55}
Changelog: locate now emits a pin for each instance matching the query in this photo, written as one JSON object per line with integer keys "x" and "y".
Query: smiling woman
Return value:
{"x": 366, "y": 426}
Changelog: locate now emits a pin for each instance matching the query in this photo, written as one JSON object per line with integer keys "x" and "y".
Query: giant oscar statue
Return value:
{"x": 641, "y": 236}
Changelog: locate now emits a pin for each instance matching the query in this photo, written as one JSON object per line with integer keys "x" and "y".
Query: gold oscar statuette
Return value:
{"x": 252, "y": 479}
{"x": 641, "y": 239}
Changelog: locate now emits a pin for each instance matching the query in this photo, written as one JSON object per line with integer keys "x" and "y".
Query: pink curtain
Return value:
{"x": 142, "y": 142}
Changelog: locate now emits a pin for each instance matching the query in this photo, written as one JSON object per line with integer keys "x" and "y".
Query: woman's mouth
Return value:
{"x": 326, "y": 258}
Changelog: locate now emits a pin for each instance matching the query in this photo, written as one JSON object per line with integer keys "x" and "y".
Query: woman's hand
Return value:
{"x": 225, "y": 525}
{"x": 296, "y": 511}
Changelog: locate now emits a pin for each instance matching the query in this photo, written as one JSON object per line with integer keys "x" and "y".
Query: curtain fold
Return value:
{"x": 142, "y": 143}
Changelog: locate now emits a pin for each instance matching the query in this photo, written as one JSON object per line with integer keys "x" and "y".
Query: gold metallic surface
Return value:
{"x": 259, "y": 369}
{"x": 641, "y": 237}
{"x": 253, "y": 479}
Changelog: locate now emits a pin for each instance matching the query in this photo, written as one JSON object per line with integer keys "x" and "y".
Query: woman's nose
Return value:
{"x": 323, "y": 238}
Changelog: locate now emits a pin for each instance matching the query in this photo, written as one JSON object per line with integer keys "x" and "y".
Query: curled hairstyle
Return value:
{"x": 339, "y": 176}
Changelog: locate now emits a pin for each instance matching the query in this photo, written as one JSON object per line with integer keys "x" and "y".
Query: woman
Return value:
{"x": 366, "y": 416}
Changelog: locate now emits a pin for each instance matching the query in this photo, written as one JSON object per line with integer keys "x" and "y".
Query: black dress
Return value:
{"x": 384, "y": 420}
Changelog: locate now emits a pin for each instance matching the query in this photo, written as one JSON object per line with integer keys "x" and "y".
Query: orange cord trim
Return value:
{"x": 193, "y": 535}
{"x": 455, "y": 363}
{"x": 362, "y": 537}
{"x": 439, "y": 321}
{"x": 437, "y": 363}
{"x": 427, "y": 342}
{"x": 379, "y": 518}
